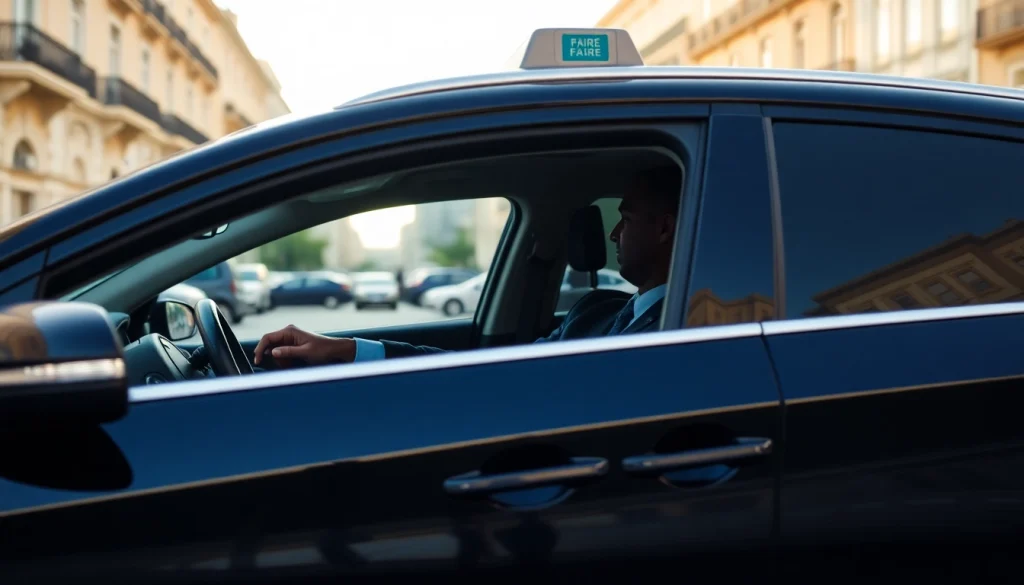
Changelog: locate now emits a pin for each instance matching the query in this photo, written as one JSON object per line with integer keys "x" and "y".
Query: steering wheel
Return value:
{"x": 225, "y": 352}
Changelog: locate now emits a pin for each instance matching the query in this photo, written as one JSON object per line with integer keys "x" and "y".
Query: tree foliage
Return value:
{"x": 299, "y": 251}
{"x": 460, "y": 253}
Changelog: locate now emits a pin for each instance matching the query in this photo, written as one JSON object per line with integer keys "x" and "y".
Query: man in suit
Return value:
{"x": 644, "y": 238}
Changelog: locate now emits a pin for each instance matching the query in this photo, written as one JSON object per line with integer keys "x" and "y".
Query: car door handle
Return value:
{"x": 580, "y": 469}
{"x": 743, "y": 448}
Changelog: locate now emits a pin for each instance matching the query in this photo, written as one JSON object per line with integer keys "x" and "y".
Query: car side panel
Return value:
{"x": 903, "y": 432}
{"x": 346, "y": 475}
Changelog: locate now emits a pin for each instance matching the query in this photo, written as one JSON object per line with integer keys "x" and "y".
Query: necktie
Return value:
{"x": 623, "y": 318}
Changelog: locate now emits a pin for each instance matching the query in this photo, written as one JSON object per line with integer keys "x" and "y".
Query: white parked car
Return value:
{"x": 455, "y": 299}
{"x": 375, "y": 289}
{"x": 253, "y": 285}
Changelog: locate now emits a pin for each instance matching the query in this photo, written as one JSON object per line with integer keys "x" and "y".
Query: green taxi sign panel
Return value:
{"x": 578, "y": 47}
{"x": 585, "y": 48}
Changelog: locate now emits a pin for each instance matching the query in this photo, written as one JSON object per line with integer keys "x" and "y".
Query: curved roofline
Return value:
{"x": 583, "y": 74}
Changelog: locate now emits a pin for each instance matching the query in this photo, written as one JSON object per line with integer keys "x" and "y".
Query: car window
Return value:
{"x": 421, "y": 245}
{"x": 884, "y": 219}
{"x": 292, "y": 284}
{"x": 576, "y": 284}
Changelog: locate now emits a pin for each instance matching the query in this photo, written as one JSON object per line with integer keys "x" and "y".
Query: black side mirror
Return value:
{"x": 172, "y": 319}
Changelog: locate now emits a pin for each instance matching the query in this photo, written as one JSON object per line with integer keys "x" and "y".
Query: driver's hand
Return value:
{"x": 292, "y": 343}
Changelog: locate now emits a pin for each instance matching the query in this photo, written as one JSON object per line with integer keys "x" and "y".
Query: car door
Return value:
{"x": 633, "y": 453}
{"x": 326, "y": 469}
{"x": 899, "y": 359}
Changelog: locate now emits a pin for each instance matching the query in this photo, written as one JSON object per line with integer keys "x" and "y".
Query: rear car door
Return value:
{"x": 623, "y": 455}
{"x": 899, "y": 359}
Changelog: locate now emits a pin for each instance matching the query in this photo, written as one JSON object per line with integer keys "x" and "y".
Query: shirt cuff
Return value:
{"x": 368, "y": 350}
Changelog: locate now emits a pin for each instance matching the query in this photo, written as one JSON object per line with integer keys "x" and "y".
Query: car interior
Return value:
{"x": 552, "y": 224}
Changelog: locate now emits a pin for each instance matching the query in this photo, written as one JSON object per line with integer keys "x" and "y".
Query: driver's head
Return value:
{"x": 644, "y": 236}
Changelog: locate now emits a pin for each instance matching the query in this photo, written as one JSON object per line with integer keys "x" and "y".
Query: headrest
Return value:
{"x": 587, "y": 251}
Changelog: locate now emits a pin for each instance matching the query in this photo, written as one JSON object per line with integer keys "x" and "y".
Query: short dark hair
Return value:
{"x": 661, "y": 185}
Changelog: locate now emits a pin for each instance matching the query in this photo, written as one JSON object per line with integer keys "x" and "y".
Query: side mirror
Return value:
{"x": 61, "y": 363}
{"x": 172, "y": 319}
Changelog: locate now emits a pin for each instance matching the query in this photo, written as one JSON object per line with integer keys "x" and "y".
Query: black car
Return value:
{"x": 327, "y": 289}
{"x": 834, "y": 393}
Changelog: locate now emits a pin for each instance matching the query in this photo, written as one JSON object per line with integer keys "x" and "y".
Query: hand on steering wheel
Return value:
{"x": 225, "y": 352}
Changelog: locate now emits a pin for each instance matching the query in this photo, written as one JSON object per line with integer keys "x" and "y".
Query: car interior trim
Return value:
{"x": 836, "y": 322}
{"x": 459, "y": 359}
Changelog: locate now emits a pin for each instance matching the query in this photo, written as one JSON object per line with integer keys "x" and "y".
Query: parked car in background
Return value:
{"x": 455, "y": 299}
{"x": 576, "y": 284}
{"x": 421, "y": 280}
{"x": 254, "y": 285}
{"x": 329, "y": 289}
{"x": 375, "y": 289}
{"x": 220, "y": 283}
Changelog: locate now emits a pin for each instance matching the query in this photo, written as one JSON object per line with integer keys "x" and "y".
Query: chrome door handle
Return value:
{"x": 473, "y": 483}
{"x": 743, "y": 448}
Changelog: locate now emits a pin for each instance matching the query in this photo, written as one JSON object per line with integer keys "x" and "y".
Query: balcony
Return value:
{"x": 1000, "y": 24}
{"x": 154, "y": 19}
{"x": 24, "y": 42}
{"x": 735, "y": 19}
{"x": 115, "y": 91}
{"x": 199, "y": 56}
{"x": 176, "y": 125}
{"x": 177, "y": 34}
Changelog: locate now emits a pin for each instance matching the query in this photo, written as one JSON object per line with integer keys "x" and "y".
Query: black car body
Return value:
{"x": 832, "y": 393}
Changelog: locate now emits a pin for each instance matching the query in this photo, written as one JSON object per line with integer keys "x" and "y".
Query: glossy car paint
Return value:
{"x": 343, "y": 471}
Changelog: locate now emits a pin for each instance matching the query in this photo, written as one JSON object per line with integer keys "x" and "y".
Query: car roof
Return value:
{"x": 576, "y": 75}
{"x": 26, "y": 238}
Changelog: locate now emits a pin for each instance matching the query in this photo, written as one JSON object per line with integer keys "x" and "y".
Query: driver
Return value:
{"x": 643, "y": 237}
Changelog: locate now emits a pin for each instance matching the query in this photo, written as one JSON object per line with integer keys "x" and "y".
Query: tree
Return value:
{"x": 299, "y": 251}
{"x": 461, "y": 253}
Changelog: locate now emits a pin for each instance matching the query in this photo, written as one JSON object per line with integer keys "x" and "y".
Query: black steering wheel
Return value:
{"x": 225, "y": 352}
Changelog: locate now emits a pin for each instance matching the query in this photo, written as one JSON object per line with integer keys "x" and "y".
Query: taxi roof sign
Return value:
{"x": 583, "y": 47}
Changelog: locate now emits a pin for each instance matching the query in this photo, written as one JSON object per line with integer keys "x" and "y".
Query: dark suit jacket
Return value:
{"x": 592, "y": 316}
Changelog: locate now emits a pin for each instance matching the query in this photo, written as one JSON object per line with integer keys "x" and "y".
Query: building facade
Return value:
{"x": 977, "y": 41}
{"x": 1000, "y": 42}
{"x": 94, "y": 89}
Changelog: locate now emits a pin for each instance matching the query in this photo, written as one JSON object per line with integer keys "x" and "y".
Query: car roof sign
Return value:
{"x": 582, "y": 47}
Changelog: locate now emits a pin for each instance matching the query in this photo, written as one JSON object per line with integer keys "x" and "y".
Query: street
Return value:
{"x": 345, "y": 318}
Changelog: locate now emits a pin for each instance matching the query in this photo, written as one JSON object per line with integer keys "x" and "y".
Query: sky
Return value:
{"x": 326, "y": 52}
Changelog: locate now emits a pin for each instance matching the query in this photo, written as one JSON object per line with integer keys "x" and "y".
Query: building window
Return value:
{"x": 838, "y": 27}
{"x": 78, "y": 26}
{"x": 1017, "y": 76}
{"x": 115, "y": 51}
{"x": 906, "y": 301}
{"x": 912, "y": 19}
{"x": 78, "y": 173}
{"x": 188, "y": 101}
{"x": 974, "y": 282}
{"x": 1018, "y": 259}
{"x": 942, "y": 292}
{"x": 24, "y": 201}
{"x": 766, "y": 52}
{"x": 734, "y": 60}
{"x": 25, "y": 157}
{"x": 883, "y": 14}
{"x": 798, "y": 45}
{"x": 707, "y": 9}
{"x": 169, "y": 90}
{"x": 949, "y": 17}
{"x": 145, "y": 70}
{"x": 204, "y": 111}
